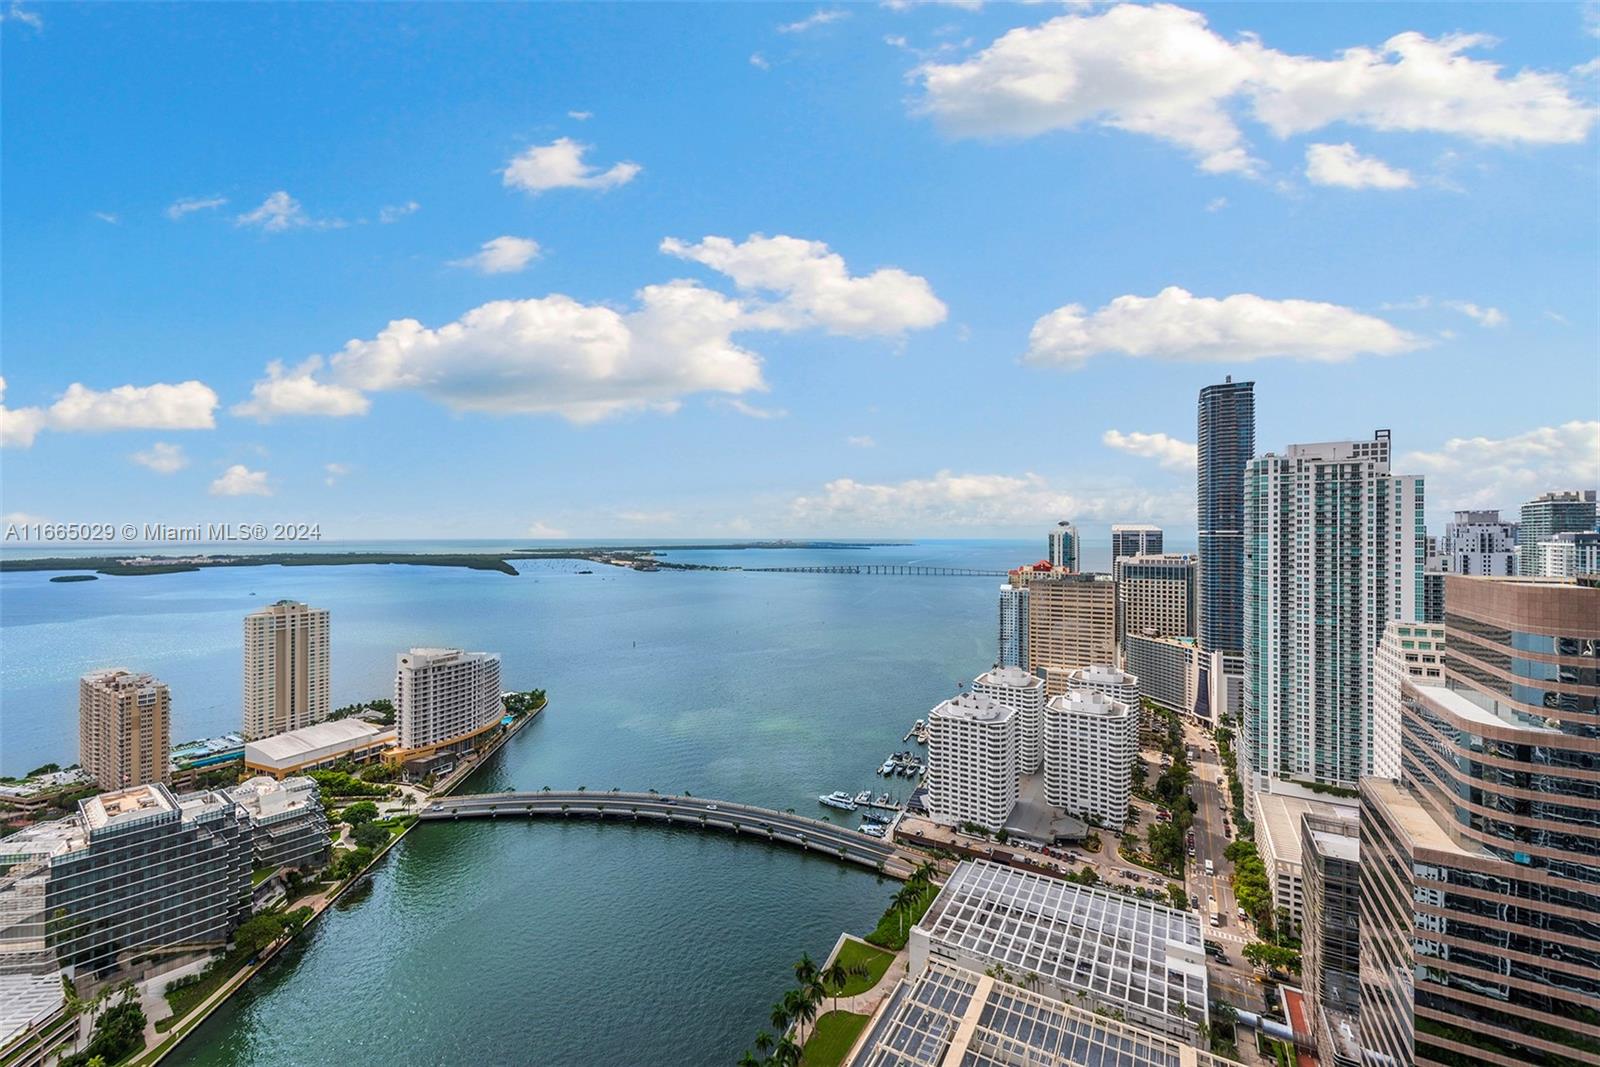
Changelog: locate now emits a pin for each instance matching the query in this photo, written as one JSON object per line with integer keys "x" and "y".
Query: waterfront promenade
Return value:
{"x": 778, "y": 827}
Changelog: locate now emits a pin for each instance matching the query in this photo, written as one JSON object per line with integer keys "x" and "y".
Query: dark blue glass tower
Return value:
{"x": 1226, "y": 442}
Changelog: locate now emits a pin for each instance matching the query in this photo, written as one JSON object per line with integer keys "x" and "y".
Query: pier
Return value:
{"x": 744, "y": 820}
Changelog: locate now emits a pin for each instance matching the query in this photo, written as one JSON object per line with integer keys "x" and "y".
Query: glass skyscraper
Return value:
{"x": 1226, "y": 442}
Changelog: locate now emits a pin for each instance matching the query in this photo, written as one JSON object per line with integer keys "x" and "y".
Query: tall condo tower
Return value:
{"x": 124, "y": 728}
{"x": 1063, "y": 547}
{"x": 1134, "y": 539}
{"x": 1226, "y": 442}
{"x": 286, "y": 683}
{"x": 1334, "y": 554}
{"x": 1013, "y": 647}
{"x": 1545, "y": 516}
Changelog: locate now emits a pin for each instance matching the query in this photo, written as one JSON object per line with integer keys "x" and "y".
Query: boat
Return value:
{"x": 864, "y": 797}
{"x": 838, "y": 799}
{"x": 874, "y": 829}
{"x": 887, "y": 769}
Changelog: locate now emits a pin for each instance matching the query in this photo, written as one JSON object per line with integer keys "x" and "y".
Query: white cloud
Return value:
{"x": 555, "y": 355}
{"x": 1487, "y": 317}
{"x": 297, "y": 391}
{"x": 759, "y": 61}
{"x": 108, "y": 217}
{"x": 907, "y": 5}
{"x": 949, "y": 501}
{"x": 1169, "y": 452}
{"x": 752, "y": 411}
{"x": 19, "y": 426}
{"x": 540, "y": 529}
{"x": 161, "y": 457}
{"x": 1342, "y": 165}
{"x": 560, "y": 165}
{"x": 815, "y": 286}
{"x": 502, "y": 255}
{"x": 1159, "y": 70}
{"x": 280, "y": 212}
{"x": 395, "y": 212}
{"x": 333, "y": 472}
{"x": 21, "y": 518}
{"x": 821, "y": 17}
{"x": 239, "y": 480}
{"x": 1179, "y": 326}
{"x": 1484, "y": 472}
{"x": 581, "y": 116}
{"x": 861, "y": 441}
{"x": 190, "y": 204}
{"x": 184, "y": 406}
{"x": 17, "y": 13}
{"x": 1216, "y": 203}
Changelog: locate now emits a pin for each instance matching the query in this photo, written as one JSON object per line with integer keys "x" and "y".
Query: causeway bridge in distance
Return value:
{"x": 744, "y": 820}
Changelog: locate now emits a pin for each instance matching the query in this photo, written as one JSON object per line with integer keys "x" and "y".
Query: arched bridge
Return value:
{"x": 764, "y": 824}
{"x": 882, "y": 568}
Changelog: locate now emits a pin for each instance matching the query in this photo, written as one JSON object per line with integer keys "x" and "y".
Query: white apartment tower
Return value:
{"x": 972, "y": 761}
{"x": 1104, "y": 678}
{"x": 444, "y": 697}
{"x": 1013, "y": 646}
{"x": 1024, "y": 692}
{"x": 1334, "y": 550}
{"x": 1479, "y": 543}
{"x": 124, "y": 728}
{"x": 1407, "y": 649}
{"x": 286, "y": 678}
{"x": 1063, "y": 546}
{"x": 1090, "y": 741}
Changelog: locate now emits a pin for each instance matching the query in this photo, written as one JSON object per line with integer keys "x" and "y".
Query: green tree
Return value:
{"x": 359, "y": 812}
{"x": 370, "y": 835}
{"x": 1272, "y": 957}
{"x": 805, "y": 968}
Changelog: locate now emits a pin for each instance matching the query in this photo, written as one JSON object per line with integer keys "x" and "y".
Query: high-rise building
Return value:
{"x": 1090, "y": 741}
{"x": 1480, "y": 867}
{"x": 1547, "y": 515}
{"x": 1330, "y": 854}
{"x": 1072, "y": 621}
{"x": 1062, "y": 549}
{"x": 1277, "y": 818}
{"x": 1134, "y": 539}
{"x": 288, "y": 826}
{"x": 1334, "y": 554}
{"x": 1155, "y": 595}
{"x": 1570, "y": 554}
{"x": 1407, "y": 649}
{"x": 286, "y": 682}
{"x": 445, "y": 699}
{"x": 1477, "y": 542}
{"x": 972, "y": 761}
{"x": 1013, "y": 646}
{"x": 124, "y": 728}
{"x": 1016, "y": 688}
{"x": 136, "y": 875}
{"x": 1226, "y": 443}
{"x": 1104, "y": 678}
{"x": 1168, "y": 669}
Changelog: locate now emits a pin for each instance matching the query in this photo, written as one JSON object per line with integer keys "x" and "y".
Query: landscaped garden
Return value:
{"x": 834, "y": 1034}
{"x": 857, "y": 958}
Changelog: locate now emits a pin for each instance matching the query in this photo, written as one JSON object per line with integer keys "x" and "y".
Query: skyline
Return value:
{"x": 864, "y": 287}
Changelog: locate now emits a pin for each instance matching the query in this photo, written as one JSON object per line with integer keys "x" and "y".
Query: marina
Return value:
{"x": 902, "y": 764}
{"x": 917, "y": 733}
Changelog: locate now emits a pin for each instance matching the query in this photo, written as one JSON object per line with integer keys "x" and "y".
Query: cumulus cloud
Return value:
{"x": 501, "y": 255}
{"x": 280, "y": 212}
{"x": 1176, "y": 325}
{"x": 815, "y": 287}
{"x": 183, "y": 406}
{"x": 190, "y": 204}
{"x": 239, "y": 480}
{"x": 1169, "y": 452}
{"x": 948, "y": 500}
{"x": 560, "y": 165}
{"x": 821, "y": 17}
{"x": 395, "y": 212}
{"x": 296, "y": 391}
{"x": 1160, "y": 71}
{"x": 1486, "y": 472}
{"x": 1342, "y": 165}
{"x": 161, "y": 457}
{"x": 18, "y": 426}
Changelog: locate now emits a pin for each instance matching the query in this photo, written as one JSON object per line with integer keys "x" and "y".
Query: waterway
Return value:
{"x": 542, "y": 943}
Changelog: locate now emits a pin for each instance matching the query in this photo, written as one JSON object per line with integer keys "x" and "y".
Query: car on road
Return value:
{"x": 711, "y": 807}
{"x": 1210, "y": 868}
{"x": 1194, "y": 901}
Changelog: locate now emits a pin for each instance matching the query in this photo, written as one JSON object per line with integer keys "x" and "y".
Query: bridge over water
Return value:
{"x": 882, "y": 568}
{"x": 745, "y": 820}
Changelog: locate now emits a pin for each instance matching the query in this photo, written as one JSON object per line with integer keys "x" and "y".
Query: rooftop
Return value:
{"x": 1118, "y": 949}
{"x": 972, "y": 707}
{"x": 1278, "y": 818}
{"x": 123, "y": 805}
{"x": 948, "y": 1016}
{"x": 1088, "y": 702}
{"x": 315, "y": 738}
{"x": 1011, "y": 678}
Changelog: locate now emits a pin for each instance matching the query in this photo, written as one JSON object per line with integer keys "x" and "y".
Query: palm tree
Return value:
{"x": 836, "y": 974}
{"x": 749, "y": 1059}
{"x": 805, "y": 969}
{"x": 805, "y": 1008}
{"x": 763, "y": 1042}
{"x": 925, "y": 872}
{"x": 780, "y": 1017}
{"x": 786, "y": 1053}
{"x": 904, "y": 901}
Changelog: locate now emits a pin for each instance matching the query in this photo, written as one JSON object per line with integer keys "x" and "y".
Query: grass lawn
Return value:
{"x": 875, "y": 960}
{"x": 261, "y": 874}
{"x": 835, "y": 1033}
{"x": 184, "y": 998}
{"x": 895, "y": 926}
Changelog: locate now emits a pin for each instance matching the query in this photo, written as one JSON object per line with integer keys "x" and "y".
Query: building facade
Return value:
{"x": 1277, "y": 818}
{"x": 124, "y": 728}
{"x": 1072, "y": 622}
{"x": 1226, "y": 442}
{"x": 1168, "y": 669}
{"x": 1407, "y": 649}
{"x": 1571, "y": 511}
{"x": 1061, "y": 548}
{"x": 1570, "y": 554}
{"x": 972, "y": 762}
{"x": 445, "y": 698}
{"x": 288, "y": 826}
{"x": 1013, "y": 645}
{"x": 286, "y": 677}
{"x": 1090, "y": 741}
{"x": 1334, "y": 554}
{"x": 1155, "y": 595}
{"x": 1330, "y": 859}
{"x": 319, "y": 747}
{"x": 1134, "y": 539}
{"x": 1024, "y": 692}
{"x": 1480, "y": 878}
{"x": 1478, "y": 542}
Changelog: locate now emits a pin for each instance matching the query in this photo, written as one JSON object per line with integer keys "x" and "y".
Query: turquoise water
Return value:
{"x": 539, "y": 943}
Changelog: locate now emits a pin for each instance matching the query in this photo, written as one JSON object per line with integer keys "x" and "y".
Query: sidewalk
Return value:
{"x": 864, "y": 1003}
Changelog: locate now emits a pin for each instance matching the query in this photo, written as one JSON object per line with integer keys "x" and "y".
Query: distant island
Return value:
{"x": 633, "y": 557}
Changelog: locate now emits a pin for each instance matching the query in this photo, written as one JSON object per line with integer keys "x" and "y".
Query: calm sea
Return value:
{"x": 538, "y": 943}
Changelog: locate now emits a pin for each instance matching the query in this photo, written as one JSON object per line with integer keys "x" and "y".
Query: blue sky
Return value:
{"x": 761, "y": 270}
